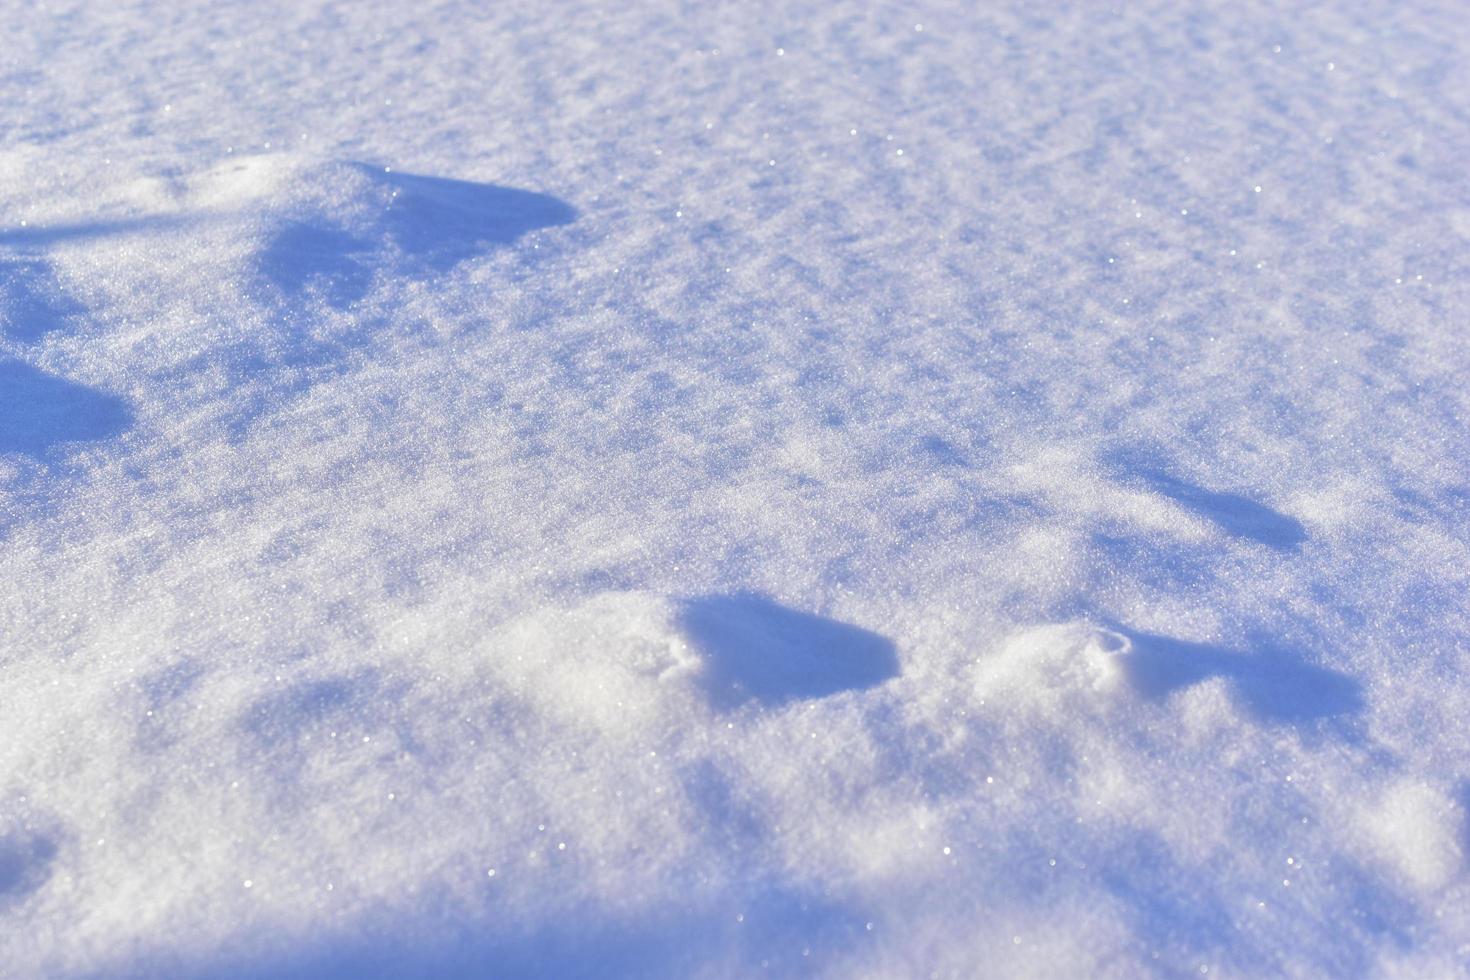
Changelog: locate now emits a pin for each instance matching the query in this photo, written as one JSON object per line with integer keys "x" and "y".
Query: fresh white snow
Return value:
{"x": 704, "y": 490}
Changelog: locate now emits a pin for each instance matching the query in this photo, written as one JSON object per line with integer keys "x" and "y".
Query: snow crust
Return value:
{"x": 691, "y": 490}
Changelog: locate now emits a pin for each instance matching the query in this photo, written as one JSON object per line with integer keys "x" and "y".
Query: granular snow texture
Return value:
{"x": 700, "y": 490}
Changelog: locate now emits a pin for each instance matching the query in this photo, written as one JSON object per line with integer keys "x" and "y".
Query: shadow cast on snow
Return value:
{"x": 25, "y": 865}
{"x": 1275, "y": 685}
{"x": 757, "y": 650}
{"x": 40, "y": 411}
{"x": 775, "y": 929}
{"x": 1159, "y": 893}
{"x": 1234, "y": 514}
{"x": 40, "y": 236}
{"x": 302, "y": 253}
{"x": 434, "y": 222}
{"x": 32, "y": 304}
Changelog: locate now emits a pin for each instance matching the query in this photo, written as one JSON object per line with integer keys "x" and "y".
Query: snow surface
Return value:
{"x": 701, "y": 490}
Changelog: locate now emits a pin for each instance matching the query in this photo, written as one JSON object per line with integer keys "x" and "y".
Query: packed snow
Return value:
{"x": 822, "y": 489}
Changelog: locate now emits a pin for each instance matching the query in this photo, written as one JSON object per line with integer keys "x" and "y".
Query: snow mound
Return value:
{"x": 1043, "y": 669}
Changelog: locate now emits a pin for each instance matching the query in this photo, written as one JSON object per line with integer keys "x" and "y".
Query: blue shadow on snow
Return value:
{"x": 434, "y": 221}
{"x": 443, "y": 221}
{"x": 757, "y": 650}
{"x": 40, "y": 236}
{"x": 1234, "y": 514}
{"x": 302, "y": 253}
{"x": 777, "y": 929}
{"x": 1274, "y": 685}
{"x": 25, "y": 865}
{"x": 39, "y": 411}
{"x": 31, "y": 303}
